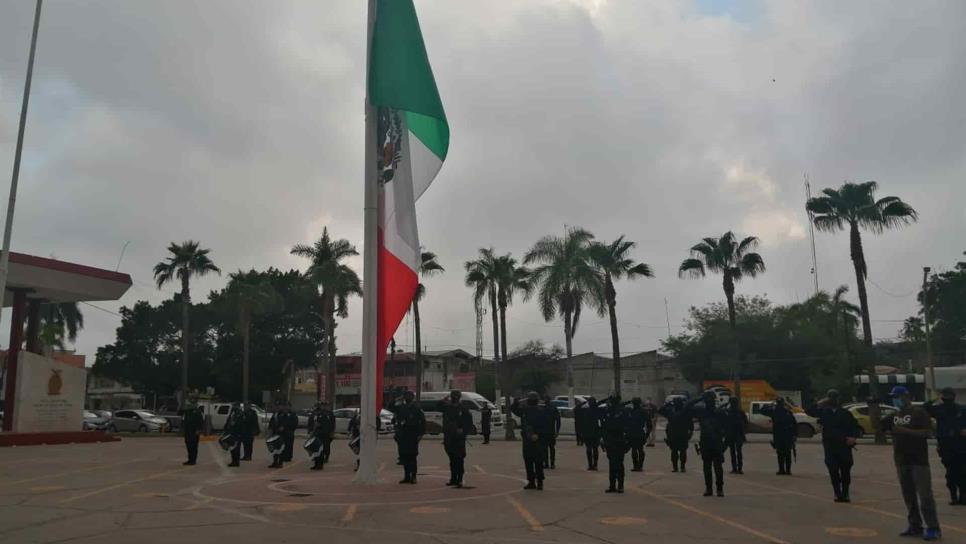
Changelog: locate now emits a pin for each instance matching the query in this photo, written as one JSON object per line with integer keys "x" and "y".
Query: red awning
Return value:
{"x": 61, "y": 281}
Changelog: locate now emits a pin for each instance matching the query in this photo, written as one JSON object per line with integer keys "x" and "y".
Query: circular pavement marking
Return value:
{"x": 622, "y": 520}
{"x": 429, "y": 510}
{"x": 286, "y": 507}
{"x": 854, "y": 532}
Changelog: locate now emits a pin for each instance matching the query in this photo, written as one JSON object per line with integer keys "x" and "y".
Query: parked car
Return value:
{"x": 566, "y": 399}
{"x": 567, "y": 426}
{"x": 106, "y": 414}
{"x": 474, "y": 402}
{"x": 758, "y": 422}
{"x": 94, "y": 422}
{"x": 303, "y": 416}
{"x": 137, "y": 421}
{"x": 344, "y": 415}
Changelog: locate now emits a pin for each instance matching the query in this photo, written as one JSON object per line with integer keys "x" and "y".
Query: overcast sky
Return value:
{"x": 239, "y": 124}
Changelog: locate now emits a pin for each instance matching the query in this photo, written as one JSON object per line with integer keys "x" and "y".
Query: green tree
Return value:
{"x": 614, "y": 262}
{"x": 428, "y": 266}
{"x": 186, "y": 260}
{"x": 510, "y": 280}
{"x": 337, "y": 282}
{"x": 946, "y": 294}
{"x": 59, "y": 323}
{"x": 854, "y": 206}
{"x": 734, "y": 260}
{"x": 249, "y": 294}
{"x": 568, "y": 280}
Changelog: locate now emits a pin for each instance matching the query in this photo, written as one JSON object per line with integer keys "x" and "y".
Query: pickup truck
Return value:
{"x": 217, "y": 414}
{"x": 759, "y": 423}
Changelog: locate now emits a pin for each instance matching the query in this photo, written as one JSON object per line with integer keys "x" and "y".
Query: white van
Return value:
{"x": 470, "y": 400}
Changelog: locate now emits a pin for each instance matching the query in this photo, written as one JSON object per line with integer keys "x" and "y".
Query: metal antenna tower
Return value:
{"x": 811, "y": 232}
{"x": 479, "y": 332}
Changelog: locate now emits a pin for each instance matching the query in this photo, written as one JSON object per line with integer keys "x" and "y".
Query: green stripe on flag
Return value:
{"x": 430, "y": 131}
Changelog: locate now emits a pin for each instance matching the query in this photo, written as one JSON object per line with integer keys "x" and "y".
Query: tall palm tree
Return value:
{"x": 845, "y": 315}
{"x": 186, "y": 260}
{"x": 481, "y": 276}
{"x": 337, "y": 282}
{"x": 59, "y": 323}
{"x": 428, "y": 267}
{"x": 568, "y": 280}
{"x": 853, "y": 206}
{"x": 733, "y": 260}
{"x": 510, "y": 279}
{"x": 249, "y": 293}
{"x": 614, "y": 263}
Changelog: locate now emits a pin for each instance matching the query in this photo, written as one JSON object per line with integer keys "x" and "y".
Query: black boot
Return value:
{"x": 720, "y": 491}
{"x": 707, "y": 492}
{"x": 539, "y": 485}
{"x": 530, "y": 485}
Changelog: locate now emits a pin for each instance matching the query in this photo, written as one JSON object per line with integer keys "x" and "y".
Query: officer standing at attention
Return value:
{"x": 784, "y": 431}
{"x": 680, "y": 427}
{"x": 651, "y": 410}
{"x": 535, "y": 422}
{"x": 735, "y": 435}
{"x": 249, "y": 432}
{"x": 235, "y": 426}
{"x": 283, "y": 424}
{"x": 579, "y": 420}
{"x": 457, "y": 424}
{"x": 410, "y": 428}
{"x": 191, "y": 424}
{"x": 638, "y": 429}
{"x": 590, "y": 431}
{"x": 711, "y": 441}
{"x": 322, "y": 427}
{"x": 613, "y": 425}
{"x": 951, "y": 438}
{"x": 486, "y": 418}
{"x": 839, "y": 431}
{"x": 549, "y": 433}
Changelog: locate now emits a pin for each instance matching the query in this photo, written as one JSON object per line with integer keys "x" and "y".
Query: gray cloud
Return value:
{"x": 240, "y": 124}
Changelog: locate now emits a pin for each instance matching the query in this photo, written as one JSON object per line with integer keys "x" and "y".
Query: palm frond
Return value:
{"x": 693, "y": 268}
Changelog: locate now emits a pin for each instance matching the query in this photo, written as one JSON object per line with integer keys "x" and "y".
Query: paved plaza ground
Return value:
{"x": 137, "y": 491}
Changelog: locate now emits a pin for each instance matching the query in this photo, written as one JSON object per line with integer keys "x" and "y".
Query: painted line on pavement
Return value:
{"x": 725, "y": 521}
{"x": 122, "y": 484}
{"x": 531, "y": 520}
{"x": 479, "y": 469}
{"x": 350, "y": 513}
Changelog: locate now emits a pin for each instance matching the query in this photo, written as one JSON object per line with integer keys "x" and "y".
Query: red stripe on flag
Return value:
{"x": 397, "y": 286}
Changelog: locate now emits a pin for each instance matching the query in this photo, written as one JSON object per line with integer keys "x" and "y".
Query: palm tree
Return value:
{"x": 568, "y": 281}
{"x": 337, "y": 282}
{"x": 249, "y": 293}
{"x": 733, "y": 260}
{"x": 510, "y": 279}
{"x": 59, "y": 323}
{"x": 853, "y": 205}
{"x": 187, "y": 260}
{"x": 481, "y": 276}
{"x": 614, "y": 263}
{"x": 428, "y": 266}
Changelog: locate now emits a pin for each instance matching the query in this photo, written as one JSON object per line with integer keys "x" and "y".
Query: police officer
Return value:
{"x": 322, "y": 428}
{"x": 839, "y": 431}
{"x": 638, "y": 428}
{"x": 410, "y": 428}
{"x": 549, "y": 433}
{"x": 235, "y": 426}
{"x": 784, "y": 431}
{"x": 613, "y": 425}
{"x": 711, "y": 441}
{"x": 950, "y": 428}
{"x": 589, "y": 422}
{"x": 578, "y": 421}
{"x": 651, "y": 410}
{"x": 283, "y": 423}
{"x": 457, "y": 424}
{"x": 191, "y": 424}
{"x": 486, "y": 418}
{"x": 735, "y": 434}
{"x": 535, "y": 421}
{"x": 680, "y": 427}
{"x": 249, "y": 431}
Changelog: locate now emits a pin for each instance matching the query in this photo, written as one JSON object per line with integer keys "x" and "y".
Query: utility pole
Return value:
{"x": 925, "y": 318}
{"x": 667, "y": 316}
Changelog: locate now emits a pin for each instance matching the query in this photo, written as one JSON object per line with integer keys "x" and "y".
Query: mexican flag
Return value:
{"x": 412, "y": 138}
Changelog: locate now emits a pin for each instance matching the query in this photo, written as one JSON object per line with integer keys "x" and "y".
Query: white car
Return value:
{"x": 758, "y": 422}
{"x": 218, "y": 415}
{"x": 136, "y": 421}
{"x": 472, "y": 401}
{"x": 577, "y": 398}
{"x": 344, "y": 415}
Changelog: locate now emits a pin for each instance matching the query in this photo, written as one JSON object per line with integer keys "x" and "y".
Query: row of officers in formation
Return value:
{"x": 618, "y": 427}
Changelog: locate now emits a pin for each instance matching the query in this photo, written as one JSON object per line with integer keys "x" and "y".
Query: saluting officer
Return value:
{"x": 680, "y": 427}
{"x": 638, "y": 428}
{"x": 613, "y": 425}
{"x": 410, "y": 428}
{"x": 534, "y": 423}
{"x": 457, "y": 424}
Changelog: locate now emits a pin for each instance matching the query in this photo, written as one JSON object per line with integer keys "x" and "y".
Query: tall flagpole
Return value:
{"x": 15, "y": 179}
{"x": 368, "y": 470}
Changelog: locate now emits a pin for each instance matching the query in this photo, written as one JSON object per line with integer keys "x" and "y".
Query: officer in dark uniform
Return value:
{"x": 486, "y": 419}
{"x": 839, "y": 431}
{"x": 651, "y": 411}
{"x": 613, "y": 425}
{"x": 191, "y": 424}
{"x": 410, "y": 428}
{"x": 638, "y": 428}
{"x": 283, "y": 423}
{"x": 950, "y": 426}
{"x": 457, "y": 424}
{"x": 680, "y": 427}
{"x": 322, "y": 427}
{"x": 549, "y": 434}
{"x": 579, "y": 421}
{"x": 535, "y": 422}
{"x": 235, "y": 426}
{"x": 735, "y": 435}
{"x": 590, "y": 430}
{"x": 711, "y": 442}
{"x": 784, "y": 431}
{"x": 249, "y": 431}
